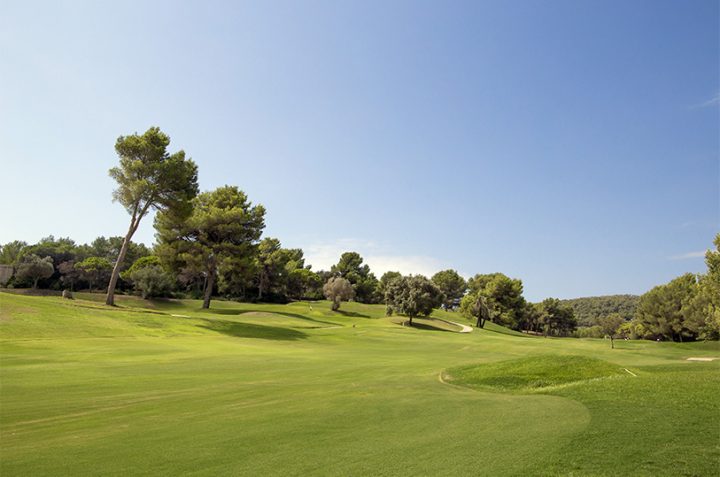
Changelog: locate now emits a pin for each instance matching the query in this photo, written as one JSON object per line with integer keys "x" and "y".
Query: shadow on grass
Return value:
{"x": 351, "y": 314}
{"x": 281, "y": 313}
{"x": 423, "y": 326}
{"x": 248, "y": 330}
{"x": 419, "y": 325}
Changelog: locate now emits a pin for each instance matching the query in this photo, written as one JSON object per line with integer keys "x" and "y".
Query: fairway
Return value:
{"x": 165, "y": 388}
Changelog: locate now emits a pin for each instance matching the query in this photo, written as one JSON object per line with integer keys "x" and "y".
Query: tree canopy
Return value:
{"x": 223, "y": 229}
{"x": 452, "y": 285}
{"x": 413, "y": 296}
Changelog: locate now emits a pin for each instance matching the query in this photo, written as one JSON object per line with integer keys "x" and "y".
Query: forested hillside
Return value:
{"x": 589, "y": 309}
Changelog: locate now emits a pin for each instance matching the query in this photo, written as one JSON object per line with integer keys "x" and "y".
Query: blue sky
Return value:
{"x": 572, "y": 144}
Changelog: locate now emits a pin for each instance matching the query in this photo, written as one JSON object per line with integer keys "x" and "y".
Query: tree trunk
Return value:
{"x": 410, "y": 321}
{"x": 612, "y": 342}
{"x": 110, "y": 300}
{"x": 208, "y": 289}
{"x": 35, "y": 283}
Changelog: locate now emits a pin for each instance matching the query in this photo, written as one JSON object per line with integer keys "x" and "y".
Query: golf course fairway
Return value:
{"x": 165, "y": 388}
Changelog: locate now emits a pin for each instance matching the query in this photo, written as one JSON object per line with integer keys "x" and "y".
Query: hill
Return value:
{"x": 589, "y": 309}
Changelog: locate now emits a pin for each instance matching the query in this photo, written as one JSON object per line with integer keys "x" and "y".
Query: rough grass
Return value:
{"x": 247, "y": 389}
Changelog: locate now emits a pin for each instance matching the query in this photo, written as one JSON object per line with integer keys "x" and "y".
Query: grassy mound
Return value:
{"x": 531, "y": 373}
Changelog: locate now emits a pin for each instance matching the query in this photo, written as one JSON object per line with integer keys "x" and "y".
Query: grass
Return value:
{"x": 533, "y": 373}
{"x": 247, "y": 389}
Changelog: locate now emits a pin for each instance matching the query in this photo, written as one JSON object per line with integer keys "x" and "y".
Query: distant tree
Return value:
{"x": 413, "y": 296}
{"x": 275, "y": 266}
{"x": 666, "y": 311}
{"x": 69, "y": 275}
{"x": 304, "y": 283}
{"x": 338, "y": 289}
{"x": 610, "y": 326}
{"x": 60, "y": 250}
{"x": 149, "y": 277}
{"x": 222, "y": 229}
{"x": 11, "y": 252}
{"x": 451, "y": 284}
{"x": 351, "y": 267}
{"x": 475, "y": 306}
{"x": 96, "y": 270}
{"x": 503, "y": 295}
{"x": 557, "y": 318}
{"x": 148, "y": 177}
{"x": 384, "y": 280}
{"x": 110, "y": 248}
{"x": 34, "y": 268}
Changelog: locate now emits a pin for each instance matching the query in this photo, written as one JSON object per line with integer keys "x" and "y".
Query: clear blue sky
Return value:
{"x": 572, "y": 144}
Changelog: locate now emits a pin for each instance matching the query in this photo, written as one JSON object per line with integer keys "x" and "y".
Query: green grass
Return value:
{"x": 533, "y": 373}
{"x": 247, "y": 389}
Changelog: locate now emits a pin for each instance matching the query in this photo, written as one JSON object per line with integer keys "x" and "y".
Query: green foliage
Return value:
{"x": 452, "y": 285}
{"x": 666, "y": 311}
{"x": 148, "y": 177}
{"x": 279, "y": 272}
{"x": 337, "y": 290}
{"x": 610, "y": 326}
{"x": 11, "y": 252}
{"x": 140, "y": 263}
{"x": 474, "y": 306}
{"x": 34, "y": 268}
{"x": 556, "y": 318}
{"x": 590, "y": 310}
{"x": 413, "y": 296}
{"x": 222, "y": 230}
{"x": 304, "y": 283}
{"x": 504, "y": 298}
{"x": 110, "y": 247}
{"x": 96, "y": 270}
{"x": 351, "y": 267}
{"x": 150, "y": 280}
{"x": 386, "y": 278}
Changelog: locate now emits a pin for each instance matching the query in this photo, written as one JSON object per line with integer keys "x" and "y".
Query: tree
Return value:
{"x": 222, "y": 229}
{"x": 69, "y": 274}
{"x": 34, "y": 268}
{"x": 304, "y": 283}
{"x": 338, "y": 289}
{"x": 149, "y": 178}
{"x": 275, "y": 266}
{"x": 351, "y": 267}
{"x": 503, "y": 295}
{"x": 556, "y": 317}
{"x": 475, "y": 306}
{"x": 610, "y": 326}
{"x": 413, "y": 296}
{"x": 11, "y": 252}
{"x": 666, "y": 310}
{"x": 386, "y": 278}
{"x": 95, "y": 270}
{"x": 452, "y": 285}
{"x": 149, "y": 277}
{"x": 110, "y": 248}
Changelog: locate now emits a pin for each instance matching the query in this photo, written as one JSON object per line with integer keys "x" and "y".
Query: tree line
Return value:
{"x": 211, "y": 244}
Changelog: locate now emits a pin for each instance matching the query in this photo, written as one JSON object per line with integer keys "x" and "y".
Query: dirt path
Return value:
{"x": 463, "y": 328}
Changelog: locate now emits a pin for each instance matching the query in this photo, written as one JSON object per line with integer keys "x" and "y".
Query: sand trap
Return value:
{"x": 181, "y": 316}
{"x": 701, "y": 359}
